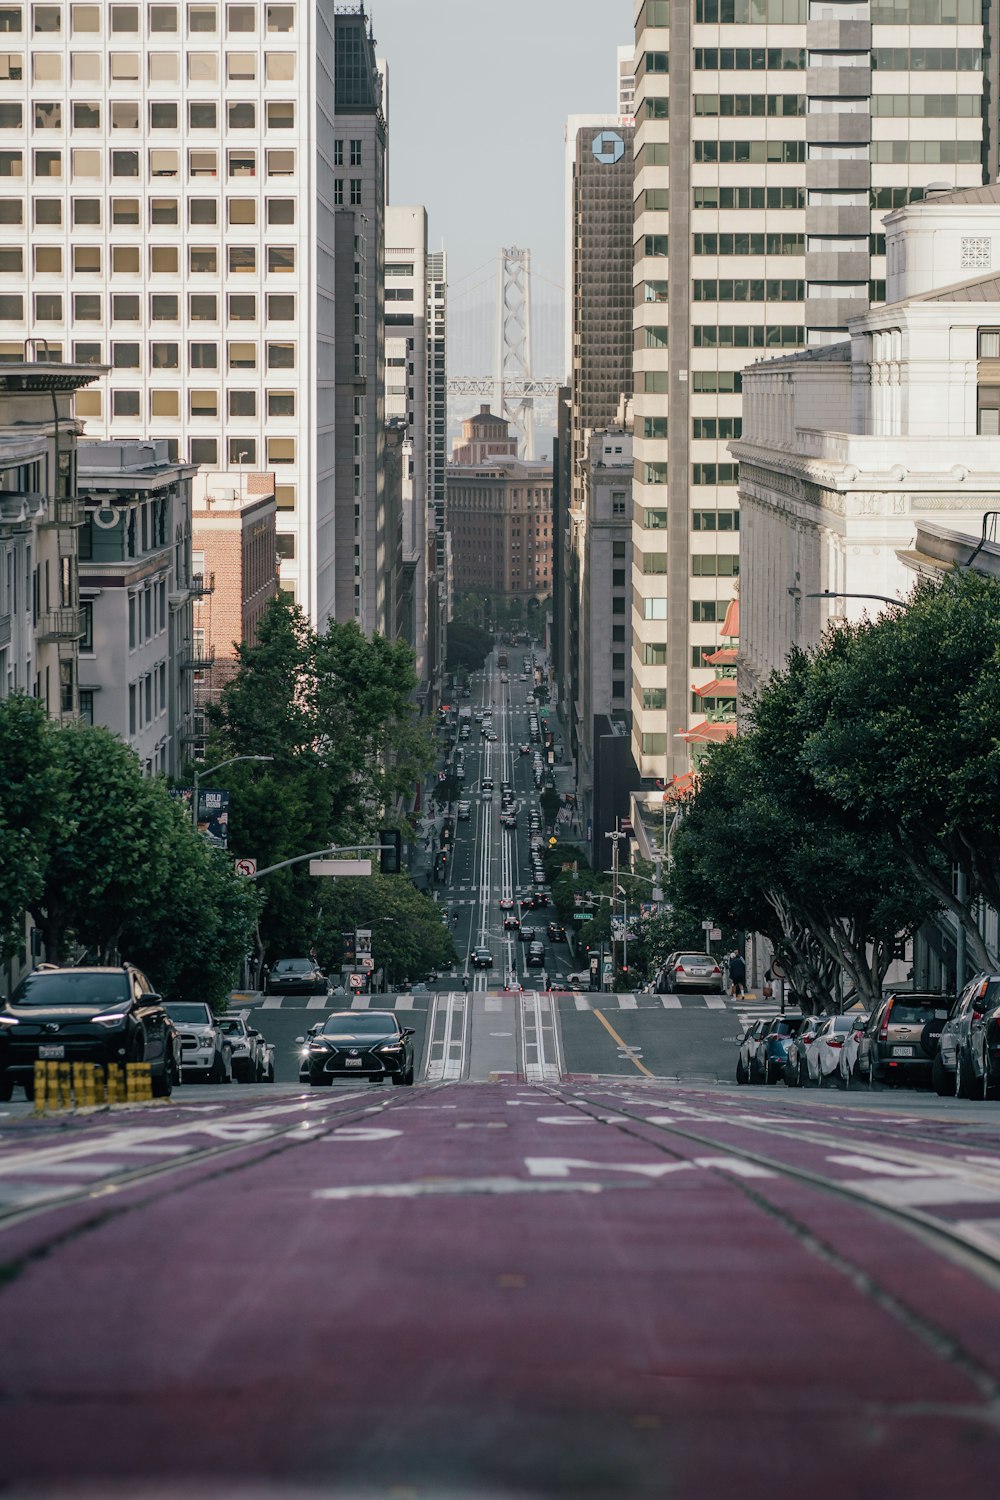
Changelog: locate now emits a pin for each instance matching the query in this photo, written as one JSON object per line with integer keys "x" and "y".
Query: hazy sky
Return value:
{"x": 479, "y": 91}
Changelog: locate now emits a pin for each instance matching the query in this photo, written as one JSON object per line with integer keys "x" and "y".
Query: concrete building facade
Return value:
{"x": 771, "y": 137}
{"x": 137, "y": 583}
{"x": 234, "y": 551}
{"x": 499, "y": 513}
{"x": 168, "y": 181}
{"x": 849, "y": 449}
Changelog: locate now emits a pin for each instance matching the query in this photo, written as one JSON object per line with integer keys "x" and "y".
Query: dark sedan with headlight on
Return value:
{"x": 369, "y": 1044}
{"x": 296, "y": 976}
{"x": 94, "y": 1015}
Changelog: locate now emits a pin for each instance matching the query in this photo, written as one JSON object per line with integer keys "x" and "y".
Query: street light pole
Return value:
{"x": 211, "y": 772}
{"x": 837, "y": 594}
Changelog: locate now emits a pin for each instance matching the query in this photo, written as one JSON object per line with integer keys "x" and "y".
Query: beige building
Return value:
{"x": 499, "y": 513}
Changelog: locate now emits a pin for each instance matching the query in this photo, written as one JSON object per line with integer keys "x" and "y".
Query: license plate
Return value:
{"x": 352, "y": 1062}
{"x": 52, "y": 1053}
{"x": 902, "y": 1051}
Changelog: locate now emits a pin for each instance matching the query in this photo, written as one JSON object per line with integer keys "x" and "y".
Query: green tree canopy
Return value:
{"x": 408, "y": 936}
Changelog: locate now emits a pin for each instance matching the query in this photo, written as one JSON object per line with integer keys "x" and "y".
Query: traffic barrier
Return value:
{"x": 62, "y": 1085}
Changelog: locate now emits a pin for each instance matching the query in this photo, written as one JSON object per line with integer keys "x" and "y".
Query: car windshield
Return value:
{"x": 292, "y": 966}
{"x": 359, "y": 1023}
{"x": 71, "y": 987}
{"x": 914, "y": 1013}
{"x": 232, "y": 1026}
{"x": 190, "y": 1015}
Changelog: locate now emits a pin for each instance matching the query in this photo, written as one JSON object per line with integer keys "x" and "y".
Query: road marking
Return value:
{"x": 715, "y": 1002}
{"x": 273, "y": 1002}
{"x": 622, "y": 1043}
{"x": 735, "y": 1165}
{"x": 581, "y": 1002}
{"x": 404, "y": 1002}
{"x": 318, "y": 1002}
{"x": 361, "y": 1133}
{"x": 360, "y": 1002}
{"x": 565, "y": 1119}
{"x": 627, "y": 1002}
{"x": 456, "y": 1187}
{"x": 562, "y": 1166}
{"x": 494, "y": 1005}
{"x": 670, "y": 1002}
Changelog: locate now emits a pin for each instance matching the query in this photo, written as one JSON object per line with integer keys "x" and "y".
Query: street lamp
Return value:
{"x": 836, "y": 594}
{"x": 211, "y": 772}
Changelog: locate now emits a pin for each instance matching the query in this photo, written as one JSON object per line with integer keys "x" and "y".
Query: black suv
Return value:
{"x": 94, "y": 1015}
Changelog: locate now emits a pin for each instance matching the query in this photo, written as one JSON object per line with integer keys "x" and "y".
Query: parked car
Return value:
{"x": 265, "y": 1059}
{"x": 768, "y": 1062}
{"x": 295, "y": 976}
{"x": 817, "y": 1049}
{"x": 206, "y": 1056}
{"x": 852, "y": 1042}
{"x": 979, "y": 997}
{"x": 749, "y": 1042}
{"x": 370, "y": 1044}
{"x": 580, "y": 979}
{"x": 104, "y": 1015}
{"x": 901, "y": 1037}
{"x": 482, "y": 958}
{"x": 978, "y": 1072}
{"x": 245, "y": 1048}
{"x": 687, "y": 971}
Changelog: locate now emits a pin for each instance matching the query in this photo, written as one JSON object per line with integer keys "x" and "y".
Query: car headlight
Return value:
{"x": 9, "y": 1021}
{"x": 239, "y": 1047}
{"x": 112, "y": 1023}
{"x": 318, "y": 1047}
{"x": 391, "y": 1047}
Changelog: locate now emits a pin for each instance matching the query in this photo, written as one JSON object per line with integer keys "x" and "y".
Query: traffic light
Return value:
{"x": 390, "y": 858}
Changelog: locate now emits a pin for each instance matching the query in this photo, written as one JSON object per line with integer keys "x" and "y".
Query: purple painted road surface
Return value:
{"x": 595, "y": 1291}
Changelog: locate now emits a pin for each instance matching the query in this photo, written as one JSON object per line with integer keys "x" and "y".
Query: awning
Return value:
{"x": 731, "y": 624}
{"x": 707, "y": 733}
{"x": 719, "y": 687}
{"x": 726, "y": 656}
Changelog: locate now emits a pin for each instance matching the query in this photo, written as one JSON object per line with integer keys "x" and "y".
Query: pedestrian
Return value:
{"x": 737, "y": 973}
{"x": 465, "y": 982}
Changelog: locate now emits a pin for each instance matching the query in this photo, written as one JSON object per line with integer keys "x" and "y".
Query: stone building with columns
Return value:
{"x": 848, "y": 447}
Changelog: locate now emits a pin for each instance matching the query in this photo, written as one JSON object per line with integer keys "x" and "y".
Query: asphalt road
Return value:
{"x": 600, "y": 1290}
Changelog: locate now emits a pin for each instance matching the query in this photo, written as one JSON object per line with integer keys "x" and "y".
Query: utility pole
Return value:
{"x": 616, "y": 836}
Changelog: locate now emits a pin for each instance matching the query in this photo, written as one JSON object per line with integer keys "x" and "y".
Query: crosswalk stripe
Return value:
{"x": 404, "y": 1002}
{"x": 360, "y": 1002}
{"x": 715, "y": 1002}
{"x": 627, "y": 1002}
{"x": 318, "y": 1002}
{"x": 582, "y": 1003}
{"x": 271, "y": 1002}
{"x": 670, "y": 1002}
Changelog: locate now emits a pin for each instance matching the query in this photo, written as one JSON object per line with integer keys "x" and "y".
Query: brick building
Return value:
{"x": 499, "y": 513}
{"x": 235, "y": 548}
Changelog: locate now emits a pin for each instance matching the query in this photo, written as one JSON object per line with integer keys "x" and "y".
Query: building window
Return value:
{"x": 203, "y": 403}
{"x": 355, "y": 191}
{"x": 205, "y": 451}
{"x": 203, "y": 307}
{"x": 242, "y": 403}
{"x": 242, "y": 307}
{"x": 203, "y": 356}
{"x": 243, "y": 450}
{"x": 125, "y": 355}
{"x": 715, "y": 565}
{"x": 125, "y": 403}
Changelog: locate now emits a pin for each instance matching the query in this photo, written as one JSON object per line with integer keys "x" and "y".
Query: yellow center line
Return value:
{"x": 612, "y": 1032}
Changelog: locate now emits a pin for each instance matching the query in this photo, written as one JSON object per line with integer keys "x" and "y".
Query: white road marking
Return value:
{"x": 361, "y": 1133}
{"x": 273, "y": 1002}
{"x": 581, "y": 1002}
{"x": 627, "y": 1002}
{"x": 456, "y": 1187}
{"x": 562, "y": 1166}
{"x": 361, "y": 1002}
{"x": 318, "y": 1002}
{"x": 715, "y": 1002}
{"x": 670, "y": 1002}
{"x": 924, "y": 1192}
{"x": 735, "y": 1165}
{"x": 404, "y": 1002}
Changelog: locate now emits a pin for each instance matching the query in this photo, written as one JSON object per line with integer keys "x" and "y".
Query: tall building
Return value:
{"x": 416, "y": 392}
{"x": 499, "y": 513}
{"x": 358, "y": 199}
{"x": 166, "y": 180}
{"x": 439, "y": 567}
{"x": 771, "y": 137}
{"x": 626, "y": 84}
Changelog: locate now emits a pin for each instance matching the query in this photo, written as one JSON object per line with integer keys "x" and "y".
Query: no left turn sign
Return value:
{"x": 246, "y": 867}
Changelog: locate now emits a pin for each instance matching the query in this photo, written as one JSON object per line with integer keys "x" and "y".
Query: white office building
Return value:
{"x": 771, "y": 138}
{"x": 168, "y": 176}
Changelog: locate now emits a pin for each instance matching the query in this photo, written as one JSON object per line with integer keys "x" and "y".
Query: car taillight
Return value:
{"x": 835, "y": 1041}
{"x": 883, "y": 1031}
{"x": 717, "y": 970}
{"x": 679, "y": 969}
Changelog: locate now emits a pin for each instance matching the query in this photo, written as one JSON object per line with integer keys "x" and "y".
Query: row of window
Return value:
{"x": 164, "y": 307}
{"x": 147, "y": 699}
{"x": 749, "y": 244}
{"x": 749, "y": 105}
{"x": 164, "y": 260}
{"x": 719, "y": 429}
{"x": 161, "y": 20}
{"x": 751, "y": 151}
{"x": 47, "y": 213}
{"x": 927, "y": 106}
{"x": 714, "y": 196}
{"x": 757, "y": 59}
{"x": 167, "y": 403}
{"x": 931, "y": 152}
{"x": 928, "y": 59}
{"x": 164, "y": 114}
{"x": 751, "y": 12}
{"x": 742, "y": 336}
{"x": 162, "y": 68}
{"x": 748, "y": 290}
{"x": 656, "y": 473}
{"x": 163, "y": 161}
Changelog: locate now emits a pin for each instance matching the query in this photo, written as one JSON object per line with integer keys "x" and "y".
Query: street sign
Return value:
{"x": 246, "y": 867}
{"x": 340, "y": 867}
{"x": 617, "y": 929}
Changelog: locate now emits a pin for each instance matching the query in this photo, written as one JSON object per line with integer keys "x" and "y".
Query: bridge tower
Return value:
{"x": 512, "y": 382}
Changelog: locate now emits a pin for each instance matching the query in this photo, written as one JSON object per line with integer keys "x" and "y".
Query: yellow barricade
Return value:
{"x": 62, "y": 1085}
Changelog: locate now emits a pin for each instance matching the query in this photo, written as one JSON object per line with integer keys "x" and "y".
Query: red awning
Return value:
{"x": 708, "y": 734}
{"x": 719, "y": 687}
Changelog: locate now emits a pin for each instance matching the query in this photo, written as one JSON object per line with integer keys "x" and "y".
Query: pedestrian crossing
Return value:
{"x": 569, "y": 999}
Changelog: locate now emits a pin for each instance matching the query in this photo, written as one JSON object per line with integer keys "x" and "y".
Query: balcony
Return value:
{"x": 59, "y": 625}
{"x": 198, "y": 659}
{"x": 201, "y": 584}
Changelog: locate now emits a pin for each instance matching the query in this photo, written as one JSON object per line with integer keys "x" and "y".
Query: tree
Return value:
{"x": 468, "y": 647}
{"x": 335, "y": 711}
{"x": 904, "y": 733}
{"x": 28, "y": 809}
{"x": 408, "y": 936}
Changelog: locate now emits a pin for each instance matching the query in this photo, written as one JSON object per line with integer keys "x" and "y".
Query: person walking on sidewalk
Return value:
{"x": 737, "y": 974}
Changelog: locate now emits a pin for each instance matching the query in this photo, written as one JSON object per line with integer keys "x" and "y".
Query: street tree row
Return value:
{"x": 866, "y": 778}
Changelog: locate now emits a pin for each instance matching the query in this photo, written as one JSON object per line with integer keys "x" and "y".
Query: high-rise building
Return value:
{"x": 626, "y": 83}
{"x": 167, "y": 174}
{"x": 416, "y": 395}
{"x": 439, "y": 587}
{"x": 771, "y": 137}
{"x": 499, "y": 513}
{"x": 359, "y": 154}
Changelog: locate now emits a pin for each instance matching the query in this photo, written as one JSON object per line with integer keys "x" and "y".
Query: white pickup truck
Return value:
{"x": 206, "y": 1056}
